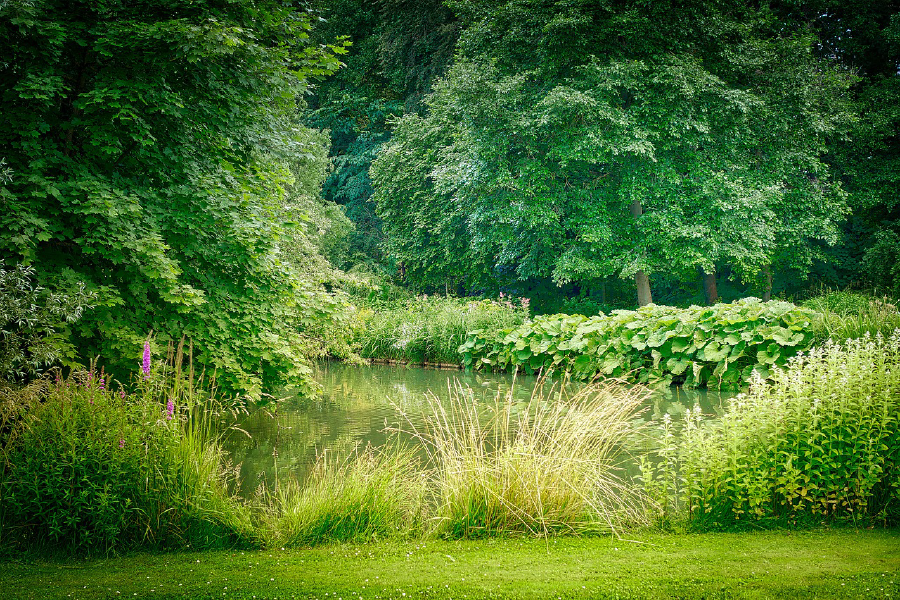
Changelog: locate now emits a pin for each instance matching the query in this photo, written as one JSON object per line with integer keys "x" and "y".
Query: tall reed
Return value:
{"x": 849, "y": 315}
{"x": 548, "y": 466}
{"x": 431, "y": 329}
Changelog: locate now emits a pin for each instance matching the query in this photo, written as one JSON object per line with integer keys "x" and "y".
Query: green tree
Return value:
{"x": 865, "y": 37}
{"x": 583, "y": 140}
{"x": 400, "y": 47}
{"x": 152, "y": 143}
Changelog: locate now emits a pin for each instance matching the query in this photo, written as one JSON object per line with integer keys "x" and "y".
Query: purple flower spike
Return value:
{"x": 170, "y": 410}
{"x": 145, "y": 366}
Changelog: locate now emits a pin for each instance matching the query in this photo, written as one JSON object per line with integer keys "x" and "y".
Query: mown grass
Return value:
{"x": 818, "y": 564}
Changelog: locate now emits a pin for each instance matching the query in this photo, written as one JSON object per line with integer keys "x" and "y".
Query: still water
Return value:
{"x": 360, "y": 403}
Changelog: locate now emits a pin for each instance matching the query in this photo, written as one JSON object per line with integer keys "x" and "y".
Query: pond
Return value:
{"x": 359, "y": 403}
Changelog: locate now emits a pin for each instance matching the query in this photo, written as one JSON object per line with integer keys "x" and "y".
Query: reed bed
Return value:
{"x": 847, "y": 315}
{"x": 431, "y": 329}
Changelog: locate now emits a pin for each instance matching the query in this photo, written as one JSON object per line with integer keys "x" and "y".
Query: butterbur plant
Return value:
{"x": 701, "y": 346}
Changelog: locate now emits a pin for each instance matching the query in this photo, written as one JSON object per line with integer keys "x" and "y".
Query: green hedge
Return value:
{"x": 716, "y": 346}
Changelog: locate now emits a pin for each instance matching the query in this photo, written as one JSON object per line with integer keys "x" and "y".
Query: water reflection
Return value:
{"x": 358, "y": 404}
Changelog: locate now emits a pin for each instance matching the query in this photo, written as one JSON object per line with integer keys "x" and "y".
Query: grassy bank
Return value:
{"x": 819, "y": 564}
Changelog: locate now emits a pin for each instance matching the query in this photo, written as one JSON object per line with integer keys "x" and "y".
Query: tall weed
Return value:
{"x": 819, "y": 442}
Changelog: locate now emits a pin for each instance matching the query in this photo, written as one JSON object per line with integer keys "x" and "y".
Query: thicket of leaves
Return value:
{"x": 718, "y": 346}
{"x": 152, "y": 147}
{"x": 583, "y": 141}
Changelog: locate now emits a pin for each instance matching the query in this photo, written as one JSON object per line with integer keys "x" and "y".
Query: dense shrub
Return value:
{"x": 34, "y": 322}
{"x": 96, "y": 470}
{"x": 718, "y": 346}
{"x": 820, "y": 441}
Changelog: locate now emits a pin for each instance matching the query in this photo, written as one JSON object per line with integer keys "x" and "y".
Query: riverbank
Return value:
{"x": 777, "y": 564}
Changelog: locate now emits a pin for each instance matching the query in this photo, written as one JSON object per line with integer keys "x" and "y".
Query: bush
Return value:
{"x": 817, "y": 443}
{"x": 93, "y": 469}
{"x": 33, "y": 324}
{"x": 718, "y": 346}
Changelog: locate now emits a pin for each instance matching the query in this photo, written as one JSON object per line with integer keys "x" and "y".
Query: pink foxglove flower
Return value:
{"x": 145, "y": 366}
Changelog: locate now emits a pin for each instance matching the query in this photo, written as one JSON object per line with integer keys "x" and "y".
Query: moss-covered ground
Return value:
{"x": 820, "y": 564}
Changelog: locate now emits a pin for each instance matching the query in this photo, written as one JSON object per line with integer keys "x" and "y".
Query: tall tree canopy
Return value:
{"x": 586, "y": 139}
{"x": 152, "y": 146}
{"x": 399, "y": 48}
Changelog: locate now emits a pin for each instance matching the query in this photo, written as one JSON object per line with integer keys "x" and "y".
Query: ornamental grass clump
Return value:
{"x": 819, "y": 442}
{"x": 547, "y": 466}
{"x": 372, "y": 494}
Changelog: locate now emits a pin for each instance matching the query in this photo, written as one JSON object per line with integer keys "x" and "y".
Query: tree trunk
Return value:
{"x": 641, "y": 279}
{"x": 709, "y": 286}
{"x": 767, "y": 294}
{"x": 643, "y": 288}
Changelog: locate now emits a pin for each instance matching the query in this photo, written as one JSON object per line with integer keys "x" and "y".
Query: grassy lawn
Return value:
{"x": 822, "y": 564}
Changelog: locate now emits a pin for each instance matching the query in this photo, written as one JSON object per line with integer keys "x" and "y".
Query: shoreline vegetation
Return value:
{"x": 90, "y": 466}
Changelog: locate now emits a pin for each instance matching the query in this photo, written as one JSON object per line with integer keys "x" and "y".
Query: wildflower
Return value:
{"x": 170, "y": 409}
{"x": 121, "y": 444}
{"x": 145, "y": 366}
{"x": 102, "y": 384}
{"x": 122, "y": 394}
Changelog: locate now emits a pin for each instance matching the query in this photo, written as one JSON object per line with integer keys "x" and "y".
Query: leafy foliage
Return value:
{"x": 33, "y": 324}
{"x": 820, "y": 441}
{"x": 583, "y": 141}
{"x": 718, "y": 346}
{"x": 400, "y": 47}
{"x": 152, "y": 144}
